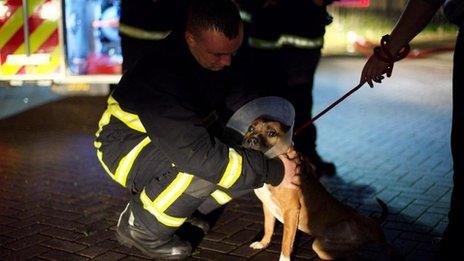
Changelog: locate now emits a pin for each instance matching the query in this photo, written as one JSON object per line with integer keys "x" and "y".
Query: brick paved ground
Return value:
{"x": 56, "y": 203}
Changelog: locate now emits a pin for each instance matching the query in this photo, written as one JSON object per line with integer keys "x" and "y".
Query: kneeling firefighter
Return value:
{"x": 160, "y": 136}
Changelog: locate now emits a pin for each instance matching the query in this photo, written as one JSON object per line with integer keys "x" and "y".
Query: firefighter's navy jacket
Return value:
{"x": 165, "y": 103}
{"x": 297, "y": 23}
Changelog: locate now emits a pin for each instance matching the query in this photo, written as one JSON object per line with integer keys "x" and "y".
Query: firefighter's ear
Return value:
{"x": 189, "y": 38}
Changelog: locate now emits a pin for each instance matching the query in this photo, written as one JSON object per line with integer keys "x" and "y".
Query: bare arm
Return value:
{"x": 414, "y": 18}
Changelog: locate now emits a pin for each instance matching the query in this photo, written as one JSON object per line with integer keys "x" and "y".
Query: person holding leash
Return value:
{"x": 414, "y": 18}
{"x": 160, "y": 136}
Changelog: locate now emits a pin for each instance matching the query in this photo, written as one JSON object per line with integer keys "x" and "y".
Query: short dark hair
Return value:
{"x": 219, "y": 15}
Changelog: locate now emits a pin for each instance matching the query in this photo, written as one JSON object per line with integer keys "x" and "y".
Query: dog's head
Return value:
{"x": 263, "y": 133}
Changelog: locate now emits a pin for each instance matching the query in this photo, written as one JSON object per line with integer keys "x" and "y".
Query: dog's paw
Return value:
{"x": 284, "y": 258}
{"x": 258, "y": 245}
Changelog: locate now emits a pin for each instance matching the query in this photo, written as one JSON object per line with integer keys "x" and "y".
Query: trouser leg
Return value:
{"x": 165, "y": 204}
{"x": 300, "y": 66}
{"x": 219, "y": 198}
{"x": 455, "y": 227}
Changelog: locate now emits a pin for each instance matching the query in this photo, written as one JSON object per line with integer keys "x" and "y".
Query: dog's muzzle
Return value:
{"x": 254, "y": 142}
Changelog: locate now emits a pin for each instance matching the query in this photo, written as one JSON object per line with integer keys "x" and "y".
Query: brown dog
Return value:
{"x": 339, "y": 231}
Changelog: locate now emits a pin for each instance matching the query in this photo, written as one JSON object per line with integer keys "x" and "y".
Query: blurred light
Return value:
{"x": 351, "y": 37}
{"x": 22, "y": 59}
{"x": 79, "y": 87}
{"x": 4, "y": 10}
{"x": 353, "y": 3}
{"x": 26, "y": 100}
{"x": 50, "y": 11}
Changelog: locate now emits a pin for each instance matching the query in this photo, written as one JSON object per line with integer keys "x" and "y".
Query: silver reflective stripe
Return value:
{"x": 301, "y": 42}
{"x": 285, "y": 39}
{"x": 263, "y": 44}
{"x": 138, "y": 33}
{"x": 246, "y": 17}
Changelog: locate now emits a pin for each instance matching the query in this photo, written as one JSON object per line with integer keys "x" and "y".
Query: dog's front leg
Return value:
{"x": 291, "y": 212}
{"x": 269, "y": 222}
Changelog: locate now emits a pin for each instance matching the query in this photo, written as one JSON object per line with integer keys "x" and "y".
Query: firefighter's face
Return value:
{"x": 212, "y": 49}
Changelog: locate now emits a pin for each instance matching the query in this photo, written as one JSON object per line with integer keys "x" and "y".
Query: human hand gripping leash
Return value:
{"x": 381, "y": 53}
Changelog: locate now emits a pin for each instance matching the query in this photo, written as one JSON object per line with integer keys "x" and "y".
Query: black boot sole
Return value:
{"x": 128, "y": 242}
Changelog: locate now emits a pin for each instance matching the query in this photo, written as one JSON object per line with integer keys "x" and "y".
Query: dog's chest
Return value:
{"x": 265, "y": 195}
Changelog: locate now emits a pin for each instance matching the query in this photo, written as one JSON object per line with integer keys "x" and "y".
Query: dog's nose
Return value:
{"x": 252, "y": 141}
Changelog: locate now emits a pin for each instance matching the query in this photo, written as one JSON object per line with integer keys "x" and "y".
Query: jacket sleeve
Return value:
{"x": 173, "y": 126}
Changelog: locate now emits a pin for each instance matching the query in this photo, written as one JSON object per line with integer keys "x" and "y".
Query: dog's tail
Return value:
{"x": 383, "y": 215}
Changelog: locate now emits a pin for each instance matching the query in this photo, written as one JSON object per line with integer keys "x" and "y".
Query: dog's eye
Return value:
{"x": 250, "y": 129}
{"x": 271, "y": 133}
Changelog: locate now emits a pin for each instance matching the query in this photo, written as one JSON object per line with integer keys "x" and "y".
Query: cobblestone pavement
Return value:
{"x": 391, "y": 142}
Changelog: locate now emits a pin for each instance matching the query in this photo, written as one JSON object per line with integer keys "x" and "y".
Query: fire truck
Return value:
{"x": 59, "y": 42}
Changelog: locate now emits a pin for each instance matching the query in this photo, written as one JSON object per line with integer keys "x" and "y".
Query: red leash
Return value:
{"x": 311, "y": 121}
{"x": 383, "y": 54}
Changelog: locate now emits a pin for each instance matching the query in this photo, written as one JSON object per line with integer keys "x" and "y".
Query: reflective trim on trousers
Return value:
{"x": 130, "y": 119}
{"x": 172, "y": 192}
{"x": 133, "y": 122}
{"x": 125, "y": 164}
{"x": 221, "y": 197}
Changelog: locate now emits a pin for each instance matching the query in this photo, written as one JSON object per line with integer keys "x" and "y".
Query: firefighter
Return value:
{"x": 160, "y": 136}
{"x": 286, "y": 38}
{"x": 143, "y": 22}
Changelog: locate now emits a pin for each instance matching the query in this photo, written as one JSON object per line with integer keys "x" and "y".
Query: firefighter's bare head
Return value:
{"x": 214, "y": 32}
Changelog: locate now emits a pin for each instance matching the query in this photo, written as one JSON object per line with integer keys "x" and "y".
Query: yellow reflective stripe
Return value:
{"x": 105, "y": 120}
{"x": 100, "y": 158}
{"x": 130, "y": 119}
{"x": 54, "y": 63}
{"x": 125, "y": 164}
{"x": 173, "y": 191}
{"x": 36, "y": 39}
{"x": 221, "y": 197}
{"x": 233, "y": 169}
{"x": 11, "y": 26}
{"x": 138, "y": 33}
{"x": 15, "y": 21}
{"x": 159, "y": 215}
{"x": 42, "y": 33}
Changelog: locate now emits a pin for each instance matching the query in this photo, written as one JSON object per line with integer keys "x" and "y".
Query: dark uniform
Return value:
{"x": 451, "y": 243}
{"x": 160, "y": 138}
{"x": 286, "y": 38}
{"x": 144, "y": 22}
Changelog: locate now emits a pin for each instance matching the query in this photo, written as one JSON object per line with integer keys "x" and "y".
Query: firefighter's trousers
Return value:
{"x": 162, "y": 197}
{"x": 165, "y": 203}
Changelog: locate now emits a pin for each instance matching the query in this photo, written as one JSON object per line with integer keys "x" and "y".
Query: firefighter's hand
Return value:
{"x": 292, "y": 170}
{"x": 373, "y": 70}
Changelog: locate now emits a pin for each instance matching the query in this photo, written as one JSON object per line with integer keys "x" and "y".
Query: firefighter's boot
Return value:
{"x": 132, "y": 233}
{"x": 199, "y": 220}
